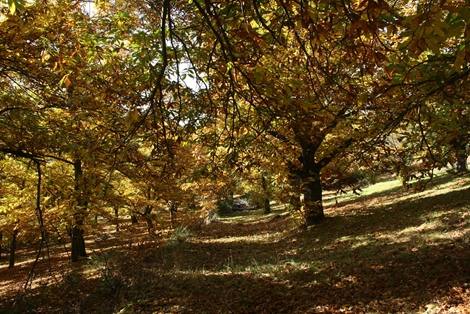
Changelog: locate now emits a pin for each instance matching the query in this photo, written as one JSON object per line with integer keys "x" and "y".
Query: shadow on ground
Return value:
{"x": 407, "y": 256}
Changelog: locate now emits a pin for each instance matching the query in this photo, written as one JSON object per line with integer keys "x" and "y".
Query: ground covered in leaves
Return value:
{"x": 386, "y": 251}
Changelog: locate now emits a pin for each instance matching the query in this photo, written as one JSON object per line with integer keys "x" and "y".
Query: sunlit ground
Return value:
{"x": 387, "y": 250}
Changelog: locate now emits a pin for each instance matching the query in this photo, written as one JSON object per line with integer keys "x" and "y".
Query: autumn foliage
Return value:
{"x": 165, "y": 112}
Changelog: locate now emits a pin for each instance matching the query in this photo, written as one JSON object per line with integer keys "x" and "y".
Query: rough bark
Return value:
{"x": 1, "y": 243}
{"x": 311, "y": 186}
{"x": 313, "y": 202}
{"x": 11, "y": 262}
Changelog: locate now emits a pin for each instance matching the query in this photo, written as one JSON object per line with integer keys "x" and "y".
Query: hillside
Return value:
{"x": 385, "y": 251}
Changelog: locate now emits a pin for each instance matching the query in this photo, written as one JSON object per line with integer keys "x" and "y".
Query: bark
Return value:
{"x": 313, "y": 202}
{"x": 230, "y": 196}
{"x": 134, "y": 219}
{"x": 77, "y": 232}
{"x": 267, "y": 206}
{"x": 266, "y": 201}
{"x": 148, "y": 219}
{"x": 173, "y": 210}
{"x": 78, "y": 243}
{"x": 116, "y": 216}
{"x": 460, "y": 151}
{"x": 1, "y": 242}
{"x": 461, "y": 166}
{"x": 311, "y": 186}
{"x": 14, "y": 236}
{"x": 309, "y": 171}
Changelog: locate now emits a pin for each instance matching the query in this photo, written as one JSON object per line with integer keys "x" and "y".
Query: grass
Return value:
{"x": 384, "y": 251}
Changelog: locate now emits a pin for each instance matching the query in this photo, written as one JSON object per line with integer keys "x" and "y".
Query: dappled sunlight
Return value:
{"x": 253, "y": 216}
{"x": 261, "y": 238}
{"x": 390, "y": 192}
{"x": 353, "y": 241}
{"x": 432, "y": 228}
{"x": 278, "y": 270}
{"x": 419, "y": 230}
{"x": 252, "y": 156}
{"x": 401, "y": 251}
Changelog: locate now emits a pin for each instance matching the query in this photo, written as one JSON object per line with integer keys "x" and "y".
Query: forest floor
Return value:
{"x": 387, "y": 251}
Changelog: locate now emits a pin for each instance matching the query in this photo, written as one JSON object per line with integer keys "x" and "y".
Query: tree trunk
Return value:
{"x": 14, "y": 235}
{"x": 459, "y": 145}
{"x": 266, "y": 201}
{"x": 134, "y": 219}
{"x": 148, "y": 219}
{"x": 116, "y": 216}
{"x": 230, "y": 196}
{"x": 461, "y": 155}
{"x": 173, "y": 210}
{"x": 313, "y": 202}
{"x": 78, "y": 243}
{"x": 1, "y": 244}
{"x": 311, "y": 186}
{"x": 77, "y": 232}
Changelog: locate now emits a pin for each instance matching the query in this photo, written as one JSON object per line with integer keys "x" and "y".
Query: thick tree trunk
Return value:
{"x": 78, "y": 243}
{"x": 313, "y": 202}
{"x": 266, "y": 201}
{"x": 77, "y": 232}
{"x": 1, "y": 244}
{"x": 311, "y": 186}
{"x": 14, "y": 235}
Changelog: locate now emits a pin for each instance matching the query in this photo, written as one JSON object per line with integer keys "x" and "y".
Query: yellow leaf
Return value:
{"x": 12, "y": 5}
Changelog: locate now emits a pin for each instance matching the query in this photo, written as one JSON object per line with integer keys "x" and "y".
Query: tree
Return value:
{"x": 429, "y": 72}
{"x": 304, "y": 72}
